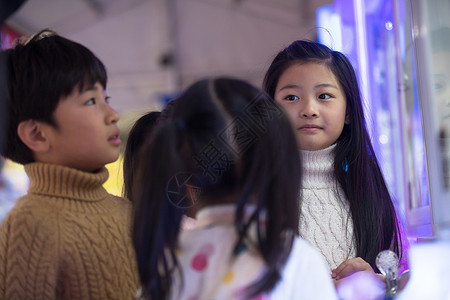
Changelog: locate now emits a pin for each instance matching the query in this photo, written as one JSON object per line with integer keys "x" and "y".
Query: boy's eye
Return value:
{"x": 107, "y": 99}
{"x": 291, "y": 98}
{"x": 90, "y": 101}
{"x": 324, "y": 96}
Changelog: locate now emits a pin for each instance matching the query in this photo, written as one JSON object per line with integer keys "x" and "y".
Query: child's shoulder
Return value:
{"x": 118, "y": 208}
{"x": 31, "y": 205}
{"x": 120, "y": 201}
{"x": 305, "y": 265}
{"x": 31, "y": 216}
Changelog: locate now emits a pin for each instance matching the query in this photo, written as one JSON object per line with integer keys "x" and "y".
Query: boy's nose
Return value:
{"x": 112, "y": 116}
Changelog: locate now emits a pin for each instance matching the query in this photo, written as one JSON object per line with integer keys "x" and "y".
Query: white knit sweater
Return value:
{"x": 325, "y": 219}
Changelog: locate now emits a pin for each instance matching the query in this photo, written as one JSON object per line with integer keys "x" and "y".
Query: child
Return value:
{"x": 230, "y": 150}
{"x": 67, "y": 238}
{"x": 347, "y": 212}
{"x": 139, "y": 134}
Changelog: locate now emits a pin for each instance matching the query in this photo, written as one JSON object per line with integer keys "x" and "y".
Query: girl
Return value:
{"x": 347, "y": 212}
{"x": 229, "y": 150}
{"x": 139, "y": 134}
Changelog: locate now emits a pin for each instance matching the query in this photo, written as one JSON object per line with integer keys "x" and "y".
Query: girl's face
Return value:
{"x": 315, "y": 103}
{"x": 441, "y": 77}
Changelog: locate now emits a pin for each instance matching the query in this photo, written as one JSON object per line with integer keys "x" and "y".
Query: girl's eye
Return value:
{"x": 291, "y": 98}
{"x": 324, "y": 96}
{"x": 90, "y": 101}
{"x": 107, "y": 99}
{"x": 439, "y": 87}
{"x": 439, "y": 83}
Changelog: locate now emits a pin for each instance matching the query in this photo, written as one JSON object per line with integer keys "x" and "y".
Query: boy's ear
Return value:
{"x": 32, "y": 134}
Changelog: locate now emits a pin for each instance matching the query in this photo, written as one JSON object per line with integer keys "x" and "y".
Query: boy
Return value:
{"x": 67, "y": 238}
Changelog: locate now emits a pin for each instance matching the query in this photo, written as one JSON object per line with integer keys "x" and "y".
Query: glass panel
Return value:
{"x": 431, "y": 39}
{"x": 377, "y": 37}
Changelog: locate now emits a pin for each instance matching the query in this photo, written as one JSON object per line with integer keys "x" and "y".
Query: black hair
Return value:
{"x": 374, "y": 219}
{"x": 137, "y": 137}
{"x": 168, "y": 111}
{"x": 40, "y": 72}
{"x": 260, "y": 164}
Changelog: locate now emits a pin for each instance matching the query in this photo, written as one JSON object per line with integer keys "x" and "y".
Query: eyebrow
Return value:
{"x": 89, "y": 88}
{"x": 324, "y": 85}
{"x": 291, "y": 86}
{"x": 319, "y": 86}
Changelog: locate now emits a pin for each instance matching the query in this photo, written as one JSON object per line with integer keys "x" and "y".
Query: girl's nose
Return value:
{"x": 308, "y": 110}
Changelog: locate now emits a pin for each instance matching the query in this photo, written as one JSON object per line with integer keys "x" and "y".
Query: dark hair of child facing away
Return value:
{"x": 262, "y": 168}
{"x": 374, "y": 218}
{"x": 67, "y": 237}
{"x": 139, "y": 133}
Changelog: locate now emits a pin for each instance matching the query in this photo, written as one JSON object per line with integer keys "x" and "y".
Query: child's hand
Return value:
{"x": 350, "y": 267}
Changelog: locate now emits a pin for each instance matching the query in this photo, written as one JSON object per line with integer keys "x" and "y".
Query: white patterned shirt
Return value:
{"x": 212, "y": 270}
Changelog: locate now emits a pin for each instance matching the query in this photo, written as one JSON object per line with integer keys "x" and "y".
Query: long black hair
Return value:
{"x": 259, "y": 162}
{"x": 374, "y": 219}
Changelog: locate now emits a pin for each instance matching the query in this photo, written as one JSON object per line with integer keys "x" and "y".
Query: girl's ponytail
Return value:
{"x": 157, "y": 213}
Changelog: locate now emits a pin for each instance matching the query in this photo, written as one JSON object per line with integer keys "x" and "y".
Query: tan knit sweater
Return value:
{"x": 67, "y": 239}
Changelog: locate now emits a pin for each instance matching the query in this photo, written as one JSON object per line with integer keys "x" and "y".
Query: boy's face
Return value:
{"x": 86, "y": 137}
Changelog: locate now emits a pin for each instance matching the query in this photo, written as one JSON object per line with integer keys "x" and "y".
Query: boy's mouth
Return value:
{"x": 114, "y": 139}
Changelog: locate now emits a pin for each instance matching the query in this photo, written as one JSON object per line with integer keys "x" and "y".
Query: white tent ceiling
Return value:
{"x": 203, "y": 37}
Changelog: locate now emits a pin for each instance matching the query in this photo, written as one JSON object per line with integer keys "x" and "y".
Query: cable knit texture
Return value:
{"x": 67, "y": 239}
{"x": 325, "y": 219}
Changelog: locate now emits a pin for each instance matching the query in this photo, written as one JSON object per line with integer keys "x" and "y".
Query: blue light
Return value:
{"x": 329, "y": 30}
{"x": 388, "y": 25}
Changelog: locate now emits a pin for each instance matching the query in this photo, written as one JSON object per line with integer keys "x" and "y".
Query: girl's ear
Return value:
{"x": 347, "y": 118}
{"x": 32, "y": 134}
{"x": 193, "y": 193}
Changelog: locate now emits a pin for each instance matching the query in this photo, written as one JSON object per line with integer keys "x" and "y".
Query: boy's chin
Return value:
{"x": 97, "y": 168}
{"x": 94, "y": 166}
{"x": 112, "y": 157}
{"x": 111, "y": 160}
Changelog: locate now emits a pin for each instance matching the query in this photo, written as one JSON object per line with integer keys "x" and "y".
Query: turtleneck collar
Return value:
{"x": 59, "y": 181}
{"x": 318, "y": 167}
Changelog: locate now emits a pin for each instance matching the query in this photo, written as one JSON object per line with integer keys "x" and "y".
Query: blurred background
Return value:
{"x": 153, "y": 49}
